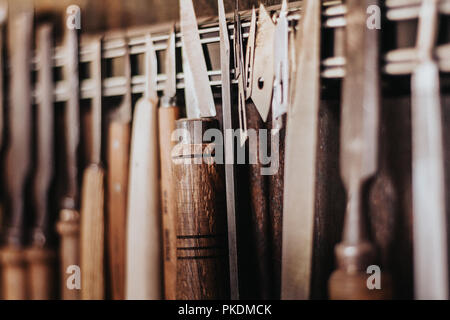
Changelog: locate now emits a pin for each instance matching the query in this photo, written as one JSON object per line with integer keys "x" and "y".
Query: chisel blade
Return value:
{"x": 170, "y": 87}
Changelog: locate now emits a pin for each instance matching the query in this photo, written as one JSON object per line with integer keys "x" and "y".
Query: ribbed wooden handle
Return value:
{"x": 143, "y": 273}
{"x": 117, "y": 192}
{"x": 353, "y": 286}
{"x": 167, "y": 118}
{"x": 202, "y": 261}
{"x": 92, "y": 235}
{"x": 41, "y": 280}
{"x": 14, "y": 274}
{"x": 68, "y": 227}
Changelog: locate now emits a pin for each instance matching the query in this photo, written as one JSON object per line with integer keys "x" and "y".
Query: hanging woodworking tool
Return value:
{"x": 41, "y": 255}
{"x": 229, "y": 151}
{"x": 239, "y": 73}
{"x": 18, "y": 157}
{"x": 300, "y": 166}
{"x": 143, "y": 271}
{"x": 92, "y": 196}
{"x": 168, "y": 113}
{"x": 250, "y": 55}
{"x": 117, "y": 183}
{"x": 68, "y": 225}
{"x": 258, "y": 184}
{"x": 429, "y": 226}
{"x": 202, "y": 262}
{"x": 358, "y": 156}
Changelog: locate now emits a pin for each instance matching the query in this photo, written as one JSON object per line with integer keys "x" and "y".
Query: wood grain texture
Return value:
{"x": 68, "y": 228}
{"x": 14, "y": 274}
{"x": 202, "y": 260}
{"x": 259, "y": 192}
{"x": 117, "y": 193}
{"x": 143, "y": 271}
{"x": 167, "y": 118}
{"x": 92, "y": 235}
{"x": 41, "y": 273}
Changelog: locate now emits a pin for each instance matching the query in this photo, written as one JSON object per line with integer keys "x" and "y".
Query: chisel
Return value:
{"x": 202, "y": 262}
{"x": 168, "y": 113}
{"x": 143, "y": 270}
{"x": 229, "y": 152}
{"x": 118, "y": 149}
{"x": 40, "y": 255}
{"x": 68, "y": 226}
{"x": 300, "y": 158}
{"x": 358, "y": 157}
{"x": 18, "y": 157}
{"x": 429, "y": 213}
{"x": 92, "y": 194}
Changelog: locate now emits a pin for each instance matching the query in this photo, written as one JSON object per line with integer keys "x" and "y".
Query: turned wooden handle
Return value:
{"x": 92, "y": 235}
{"x": 143, "y": 271}
{"x": 167, "y": 118}
{"x": 14, "y": 274}
{"x": 68, "y": 228}
{"x": 202, "y": 255}
{"x": 117, "y": 192}
{"x": 259, "y": 191}
{"x": 41, "y": 280}
{"x": 353, "y": 286}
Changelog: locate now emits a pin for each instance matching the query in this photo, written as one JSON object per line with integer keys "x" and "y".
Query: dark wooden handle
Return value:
{"x": 92, "y": 235}
{"x": 68, "y": 228}
{"x": 167, "y": 118}
{"x": 14, "y": 274}
{"x": 258, "y": 185}
{"x": 202, "y": 267}
{"x": 117, "y": 192}
{"x": 353, "y": 286}
{"x": 41, "y": 280}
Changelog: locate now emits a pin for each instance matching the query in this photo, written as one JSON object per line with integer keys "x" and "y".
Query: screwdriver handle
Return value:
{"x": 92, "y": 234}
{"x": 41, "y": 284}
{"x": 167, "y": 117}
{"x": 14, "y": 275}
{"x": 68, "y": 228}
{"x": 117, "y": 192}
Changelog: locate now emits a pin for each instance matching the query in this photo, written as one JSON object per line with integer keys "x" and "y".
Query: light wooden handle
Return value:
{"x": 167, "y": 118}
{"x": 143, "y": 251}
{"x": 14, "y": 275}
{"x": 117, "y": 188}
{"x": 92, "y": 235}
{"x": 68, "y": 227}
{"x": 353, "y": 286}
{"x": 41, "y": 284}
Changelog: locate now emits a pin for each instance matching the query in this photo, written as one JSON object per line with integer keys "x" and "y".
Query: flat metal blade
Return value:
{"x": 196, "y": 60}
{"x": 250, "y": 55}
{"x": 170, "y": 87}
{"x": 300, "y": 159}
{"x": 429, "y": 227}
{"x": 151, "y": 70}
{"x": 229, "y": 152}
{"x": 263, "y": 75}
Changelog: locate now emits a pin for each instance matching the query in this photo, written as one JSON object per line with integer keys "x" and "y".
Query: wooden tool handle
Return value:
{"x": 353, "y": 286}
{"x": 117, "y": 192}
{"x": 258, "y": 185}
{"x": 41, "y": 284}
{"x": 68, "y": 227}
{"x": 14, "y": 274}
{"x": 202, "y": 261}
{"x": 167, "y": 118}
{"x": 143, "y": 271}
{"x": 92, "y": 235}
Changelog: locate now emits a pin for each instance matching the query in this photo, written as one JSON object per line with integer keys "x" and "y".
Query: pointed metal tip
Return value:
{"x": 284, "y": 6}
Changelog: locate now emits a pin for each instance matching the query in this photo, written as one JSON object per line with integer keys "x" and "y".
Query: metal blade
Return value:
{"x": 151, "y": 70}
{"x": 281, "y": 66}
{"x": 229, "y": 152}
{"x": 96, "y": 72}
{"x": 263, "y": 75}
{"x": 429, "y": 227}
{"x": 124, "y": 110}
{"x": 191, "y": 101}
{"x": 300, "y": 159}
{"x": 170, "y": 87}
{"x": 250, "y": 55}
{"x": 19, "y": 151}
{"x": 196, "y": 60}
